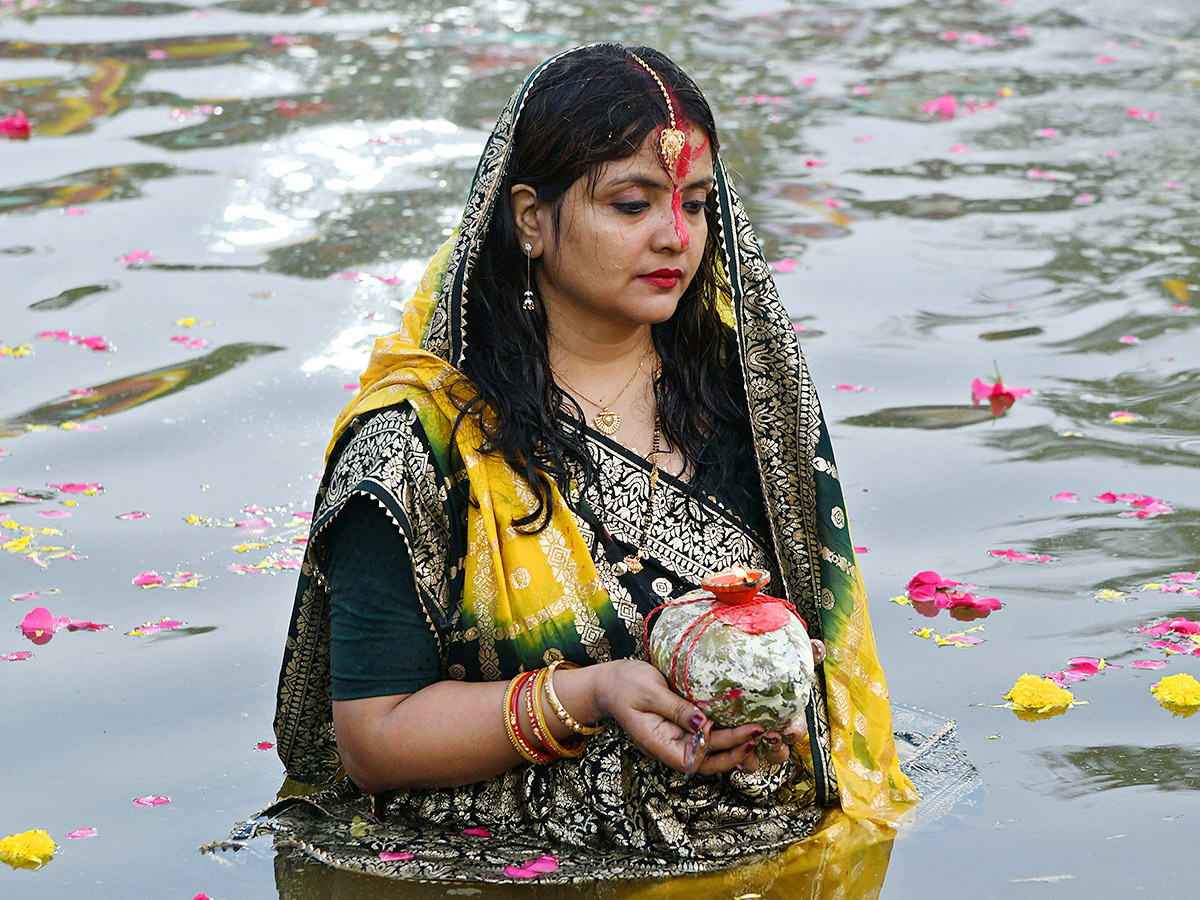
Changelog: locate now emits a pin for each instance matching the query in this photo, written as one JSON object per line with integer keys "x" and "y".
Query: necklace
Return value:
{"x": 633, "y": 562}
{"x": 606, "y": 421}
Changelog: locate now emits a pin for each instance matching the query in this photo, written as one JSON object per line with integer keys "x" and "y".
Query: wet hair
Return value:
{"x": 590, "y": 107}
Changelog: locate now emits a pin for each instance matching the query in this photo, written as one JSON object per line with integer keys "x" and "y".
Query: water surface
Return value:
{"x": 287, "y": 167}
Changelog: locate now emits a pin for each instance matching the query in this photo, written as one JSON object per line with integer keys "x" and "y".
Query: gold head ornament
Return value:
{"x": 672, "y": 140}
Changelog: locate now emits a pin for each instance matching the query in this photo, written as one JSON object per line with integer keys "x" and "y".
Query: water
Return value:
{"x": 261, "y": 152}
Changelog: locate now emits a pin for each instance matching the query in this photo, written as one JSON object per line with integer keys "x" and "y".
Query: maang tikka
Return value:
{"x": 528, "y": 303}
{"x": 672, "y": 141}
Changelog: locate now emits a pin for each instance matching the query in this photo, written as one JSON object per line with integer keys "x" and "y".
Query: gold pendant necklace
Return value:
{"x": 606, "y": 421}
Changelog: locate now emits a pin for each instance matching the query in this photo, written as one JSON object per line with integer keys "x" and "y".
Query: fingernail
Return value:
{"x": 695, "y": 722}
{"x": 748, "y": 747}
{"x": 758, "y": 732}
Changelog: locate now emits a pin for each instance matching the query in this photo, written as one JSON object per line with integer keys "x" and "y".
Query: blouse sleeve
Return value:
{"x": 380, "y": 640}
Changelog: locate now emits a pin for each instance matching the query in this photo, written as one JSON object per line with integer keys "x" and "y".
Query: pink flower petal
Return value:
{"x": 806, "y": 81}
{"x": 264, "y": 745}
{"x": 1129, "y": 339}
{"x": 543, "y": 864}
{"x": 784, "y": 265}
{"x": 16, "y": 126}
{"x": 54, "y": 514}
{"x": 1065, "y": 497}
{"x": 944, "y": 107}
{"x": 16, "y": 657}
{"x": 518, "y": 872}
{"x": 861, "y": 89}
{"x": 1047, "y": 132}
{"x": 1169, "y": 646}
{"x": 80, "y": 833}
{"x": 959, "y": 148}
{"x": 148, "y": 579}
{"x": 477, "y": 832}
{"x": 389, "y": 856}
{"x": 1019, "y": 31}
{"x": 1103, "y": 60}
{"x": 136, "y": 256}
{"x": 136, "y": 514}
{"x": 1149, "y": 664}
{"x": 151, "y": 801}
{"x": 77, "y": 487}
{"x": 814, "y": 163}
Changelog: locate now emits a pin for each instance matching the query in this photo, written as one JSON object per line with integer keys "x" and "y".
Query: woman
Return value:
{"x": 596, "y": 399}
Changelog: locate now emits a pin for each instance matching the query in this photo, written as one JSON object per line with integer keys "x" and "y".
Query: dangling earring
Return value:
{"x": 528, "y": 303}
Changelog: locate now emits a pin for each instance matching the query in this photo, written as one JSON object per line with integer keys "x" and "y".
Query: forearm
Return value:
{"x": 448, "y": 733}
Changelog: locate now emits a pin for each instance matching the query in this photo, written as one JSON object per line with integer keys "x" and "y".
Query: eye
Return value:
{"x": 632, "y": 207}
{"x": 694, "y": 207}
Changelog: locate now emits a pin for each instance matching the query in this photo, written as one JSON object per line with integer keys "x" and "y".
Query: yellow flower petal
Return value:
{"x": 1178, "y": 693}
{"x": 27, "y": 850}
{"x": 1039, "y": 695}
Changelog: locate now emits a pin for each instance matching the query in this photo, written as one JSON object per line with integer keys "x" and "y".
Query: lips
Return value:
{"x": 663, "y": 278}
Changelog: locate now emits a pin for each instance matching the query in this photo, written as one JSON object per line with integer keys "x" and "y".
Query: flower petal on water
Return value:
{"x": 27, "y": 850}
{"x": 152, "y": 800}
{"x": 1179, "y": 693}
{"x": 1040, "y": 695}
{"x": 79, "y": 833}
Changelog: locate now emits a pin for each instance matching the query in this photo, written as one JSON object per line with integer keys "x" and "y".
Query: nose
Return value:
{"x": 673, "y": 234}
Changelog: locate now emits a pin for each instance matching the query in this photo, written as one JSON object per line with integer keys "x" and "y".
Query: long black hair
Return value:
{"x": 593, "y": 106}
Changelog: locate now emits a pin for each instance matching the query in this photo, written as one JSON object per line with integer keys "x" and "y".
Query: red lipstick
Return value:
{"x": 663, "y": 278}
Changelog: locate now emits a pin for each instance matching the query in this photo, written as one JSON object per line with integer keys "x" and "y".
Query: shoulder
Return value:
{"x": 384, "y": 452}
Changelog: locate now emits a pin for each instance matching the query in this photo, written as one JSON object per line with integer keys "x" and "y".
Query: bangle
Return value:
{"x": 538, "y": 716}
{"x": 512, "y": 721}
{"x": 559, "y": 710}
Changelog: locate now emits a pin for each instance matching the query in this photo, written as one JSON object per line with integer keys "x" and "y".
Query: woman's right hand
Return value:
{"x": 662, "y": 724}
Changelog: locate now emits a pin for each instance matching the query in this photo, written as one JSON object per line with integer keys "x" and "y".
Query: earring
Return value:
{"x": 528, "y": 303}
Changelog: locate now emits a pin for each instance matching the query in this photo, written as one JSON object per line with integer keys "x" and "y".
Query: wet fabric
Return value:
{"x": 508, "y": 601}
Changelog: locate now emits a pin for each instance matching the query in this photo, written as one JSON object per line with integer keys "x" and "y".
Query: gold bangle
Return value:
{"x": 559, "y": 710}
{"x": 538, "y": 715}
{"x": 513, "y": 726}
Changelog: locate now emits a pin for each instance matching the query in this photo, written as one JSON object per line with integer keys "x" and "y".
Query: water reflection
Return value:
{"x": 931, "y": 418}
{"x": 1080, "y": 771}
{"x": 88, "y": 186}
{"x": 71, "y": 297}
{"x": 134, "y": 390}
{"x": 847, "y": 859}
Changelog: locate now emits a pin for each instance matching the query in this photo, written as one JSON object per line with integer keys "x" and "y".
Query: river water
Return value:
{"x": 222, "y": 204}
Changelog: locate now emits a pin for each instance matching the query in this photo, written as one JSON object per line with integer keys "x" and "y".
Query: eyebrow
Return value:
{"x": 643, "y": 181}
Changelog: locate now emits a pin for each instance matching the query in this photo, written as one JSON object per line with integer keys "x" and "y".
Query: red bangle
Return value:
{"x": 512, "y": 720}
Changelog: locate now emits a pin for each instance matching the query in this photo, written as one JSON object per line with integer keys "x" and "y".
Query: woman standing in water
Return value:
{"x": 596, "y": 399}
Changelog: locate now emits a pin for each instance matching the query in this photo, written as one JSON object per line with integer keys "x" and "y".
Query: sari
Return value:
{"x": 502, "y": 601}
